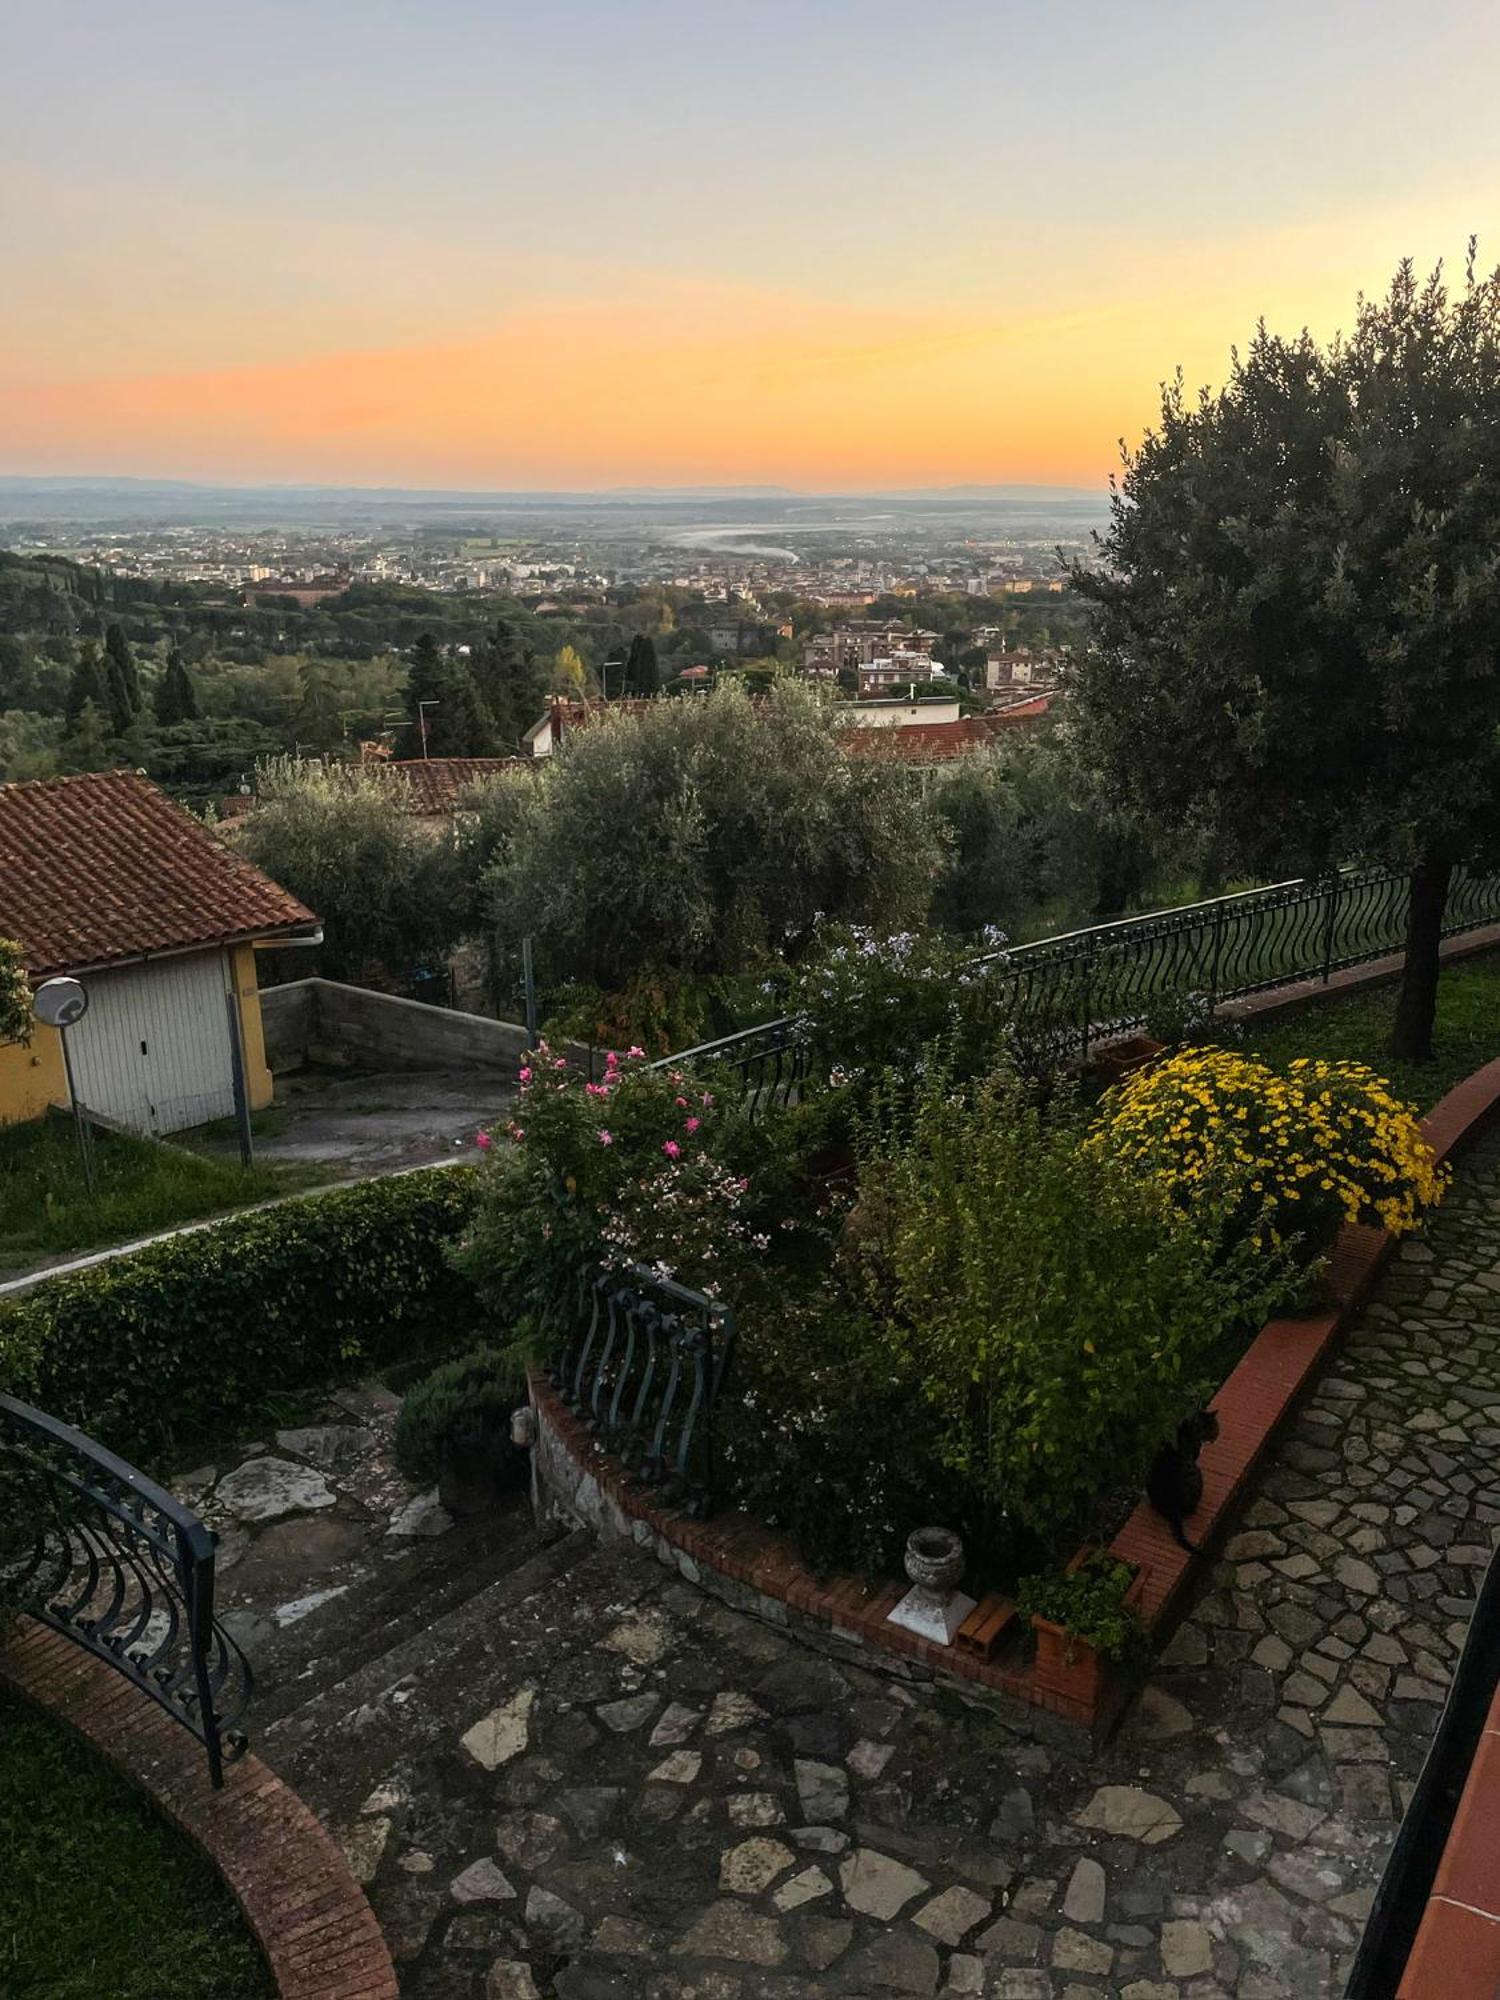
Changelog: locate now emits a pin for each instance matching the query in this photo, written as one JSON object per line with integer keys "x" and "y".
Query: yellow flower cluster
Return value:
{"x": 1324, "y": 1142}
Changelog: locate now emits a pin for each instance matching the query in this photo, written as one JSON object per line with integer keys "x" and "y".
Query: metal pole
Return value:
{"x": 237, "y": 1067}
{"x": 85, "y": 1148}
{"x": 528, "y": 975}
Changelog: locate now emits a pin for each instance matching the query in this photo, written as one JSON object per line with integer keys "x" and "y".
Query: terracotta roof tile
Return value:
{"x": 104, "y": 867}
{"x": 938, "y": 742}
{"x": 435, "y": 784}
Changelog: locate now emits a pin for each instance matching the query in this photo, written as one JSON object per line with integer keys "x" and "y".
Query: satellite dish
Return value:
{"x": 60, "y": 1003}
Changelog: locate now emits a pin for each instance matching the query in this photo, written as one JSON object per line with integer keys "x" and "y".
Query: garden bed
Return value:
{"x": 762, "y": 1571}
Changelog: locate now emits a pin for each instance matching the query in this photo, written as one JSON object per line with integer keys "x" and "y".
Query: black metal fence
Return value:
{"x": 98, "y": 1552}
{"x": 1097, "y": 984}
{"x": 643, "y": 1365}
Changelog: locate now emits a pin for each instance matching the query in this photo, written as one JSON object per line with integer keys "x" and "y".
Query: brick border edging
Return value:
{"x": 1261, "y": 1390}
{"x": 1456, "y": 1952}
{"x": 282, "y": 1866}
{"x": 1253, "y": 1402}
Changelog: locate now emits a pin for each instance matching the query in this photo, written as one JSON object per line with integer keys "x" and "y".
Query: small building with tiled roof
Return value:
{"x": 920, "y": 742}
{"x": 104, "y": 879}
{"x": 431, "y": 787}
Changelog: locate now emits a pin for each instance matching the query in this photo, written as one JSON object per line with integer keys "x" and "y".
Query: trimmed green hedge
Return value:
{"x": 183, "y": 1337}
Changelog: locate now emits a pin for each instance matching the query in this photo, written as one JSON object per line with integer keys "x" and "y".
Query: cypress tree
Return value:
{"x": 642, "y": 674}
{"x": 118, "y": 656}
{"x": 176, "y": 699}
{"x": 86, "y": 683}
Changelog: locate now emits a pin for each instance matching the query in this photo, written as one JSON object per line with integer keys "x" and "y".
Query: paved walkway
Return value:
{"x": 589, "y": 1781}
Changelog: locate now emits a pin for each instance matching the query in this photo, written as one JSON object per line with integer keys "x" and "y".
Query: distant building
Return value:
{"x": 1022, "y": 670}
{"x": 897, "y": 670}
{"x": 861, "y": 641}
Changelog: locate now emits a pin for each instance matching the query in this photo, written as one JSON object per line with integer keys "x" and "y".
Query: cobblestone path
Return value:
{"x": 616, "y": 1789}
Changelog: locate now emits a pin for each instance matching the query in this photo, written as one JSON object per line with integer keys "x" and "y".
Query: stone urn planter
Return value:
{"x": 934, "y": 1607}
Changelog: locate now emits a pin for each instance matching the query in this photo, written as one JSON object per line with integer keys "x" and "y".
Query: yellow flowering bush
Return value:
{"x": 1321, "y": 1143}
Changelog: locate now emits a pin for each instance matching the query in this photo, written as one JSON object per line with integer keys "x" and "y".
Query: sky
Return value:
{"x": 835, "y": 245}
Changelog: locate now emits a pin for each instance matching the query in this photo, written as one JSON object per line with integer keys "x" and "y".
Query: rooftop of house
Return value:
{"x": 103, "y": 868}
{"x": 940, "y": 742}
{"x": 434, "y": 785}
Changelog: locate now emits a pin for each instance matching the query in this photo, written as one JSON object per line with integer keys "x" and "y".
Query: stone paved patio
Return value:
{"x": 591, "y": 1782}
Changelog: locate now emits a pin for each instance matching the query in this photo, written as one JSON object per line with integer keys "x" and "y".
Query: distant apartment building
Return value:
{"x": 893, "y": 671}
{"x": 859, "y": 642}
{"x": 1022, "y": 670}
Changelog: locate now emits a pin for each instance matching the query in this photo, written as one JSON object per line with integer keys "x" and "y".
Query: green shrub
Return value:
{"x": 15, "y": 994}
{"x": 462, "y": 1407}
{"x": 1088, "y": 1603}
{"x": 184, "y": 1337}
{"x": 1058, "y": 1316}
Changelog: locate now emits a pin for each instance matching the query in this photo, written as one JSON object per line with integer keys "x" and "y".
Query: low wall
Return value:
{"x": 324, "y": 1021}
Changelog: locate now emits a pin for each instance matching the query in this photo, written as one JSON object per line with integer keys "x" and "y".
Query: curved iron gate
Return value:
{"x": 103, "y": 1555}
{"x": 643, "y": 1364}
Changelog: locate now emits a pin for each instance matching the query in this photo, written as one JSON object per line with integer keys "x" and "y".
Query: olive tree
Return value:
{"x": 707, "y": 836}
{"x": 1296, "y": 630}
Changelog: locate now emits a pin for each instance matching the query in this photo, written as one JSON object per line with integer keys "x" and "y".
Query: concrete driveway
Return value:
{"x": 358, "y": 1125}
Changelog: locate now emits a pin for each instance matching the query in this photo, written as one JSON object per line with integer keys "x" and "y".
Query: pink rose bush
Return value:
{"x": 605, "y": 1171}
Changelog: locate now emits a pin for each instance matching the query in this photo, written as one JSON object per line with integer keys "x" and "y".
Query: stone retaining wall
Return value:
{"x": 324, "y": 1021}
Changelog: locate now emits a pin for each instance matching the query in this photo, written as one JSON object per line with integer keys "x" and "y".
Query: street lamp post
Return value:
{"x": 62, "y": 1004}
{"x": 422, "y": 708}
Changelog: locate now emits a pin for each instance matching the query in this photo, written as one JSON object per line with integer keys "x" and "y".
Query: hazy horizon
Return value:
{"x": 587, "y": 248}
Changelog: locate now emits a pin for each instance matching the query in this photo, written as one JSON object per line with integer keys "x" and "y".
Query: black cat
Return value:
{"x": 1174, "y": 1485}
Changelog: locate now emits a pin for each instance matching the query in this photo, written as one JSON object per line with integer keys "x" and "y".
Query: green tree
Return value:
{"x": 449, "y": 718}
{"x": 121, "y": 681}
{"x": 15, "y": 993}
{"x": 86, "y": 683}
{"x": 1296, "y": 642}
{"x": 511, "y": 683}
{"x": 384, "y": 888}
{"x": 642, "y": 673}
{"x": 84, "y": 744}
{"x": 707, "y": 837}
{"x": 176, "y": 699}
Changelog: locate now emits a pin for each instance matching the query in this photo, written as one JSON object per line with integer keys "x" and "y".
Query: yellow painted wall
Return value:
{"x": 258, "y": 1082}
{"x": 31, "y": 1076}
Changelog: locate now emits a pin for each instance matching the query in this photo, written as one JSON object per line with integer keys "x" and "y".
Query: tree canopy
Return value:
{"x": 1296, "y": 642}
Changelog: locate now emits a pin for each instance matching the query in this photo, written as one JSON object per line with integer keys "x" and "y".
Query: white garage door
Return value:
{"x": 153, "y": 1049}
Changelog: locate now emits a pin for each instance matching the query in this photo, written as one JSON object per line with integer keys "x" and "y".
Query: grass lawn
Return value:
{"x": 99, "y": 1896}
{"x": 1358, "y": 1028}
{"x": 46, "y": 1209}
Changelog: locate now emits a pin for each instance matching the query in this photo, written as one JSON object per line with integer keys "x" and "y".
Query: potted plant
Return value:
{"x": 1083, "y": 1624}
{"x": 454, "y": 1431}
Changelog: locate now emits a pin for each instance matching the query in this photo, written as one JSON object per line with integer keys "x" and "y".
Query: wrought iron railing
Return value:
{"x": 643, "y": 1365}
{"x": 98, "y": 1552}
{"x": 1093, "y": 985}
{"x": 771, "y": 1061}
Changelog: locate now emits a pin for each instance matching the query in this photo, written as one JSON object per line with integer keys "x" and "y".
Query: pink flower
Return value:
{"x": 672, "y": 1150}
{"x": 559, "y": 1062}
{"x": 597, "y": 1089}
{"x": 482, "y": 1141}
{"x": 692, "y": 1124}
{"x": 611, "y": 1061}
{"x": 708, "y": 1097}
{"x": 525, "y": 1074}
{"x": 606, "y": 1138}
{"x": 635, "y": 1049}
